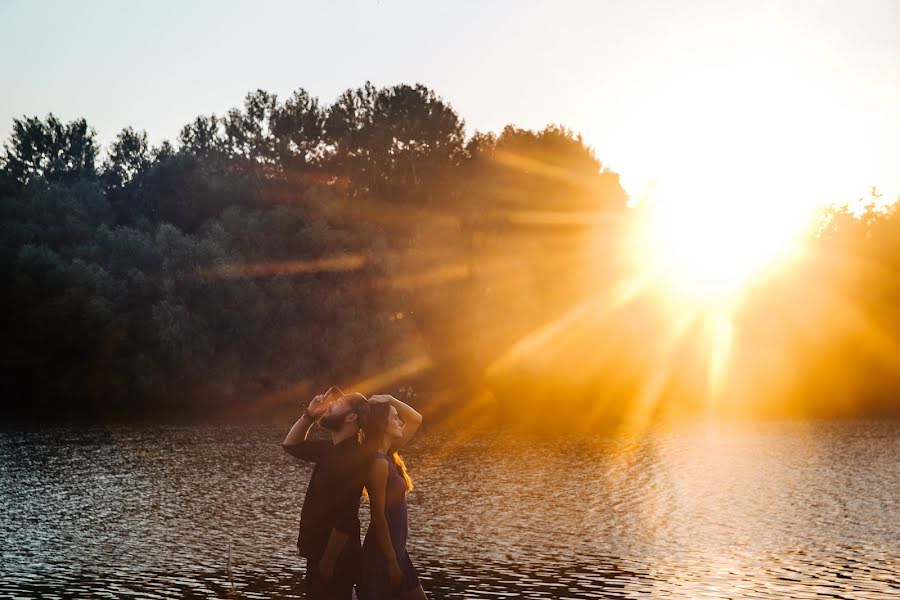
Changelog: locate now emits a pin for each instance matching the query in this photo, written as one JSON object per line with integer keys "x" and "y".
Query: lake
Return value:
{"x": 764, "y": 510}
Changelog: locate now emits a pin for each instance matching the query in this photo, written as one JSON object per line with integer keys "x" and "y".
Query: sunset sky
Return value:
{"x": 753, "y": 96}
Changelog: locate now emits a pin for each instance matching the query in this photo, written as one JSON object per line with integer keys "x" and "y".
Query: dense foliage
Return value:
{"x": 283, "y": 242}
{"x": 288, "y": 245}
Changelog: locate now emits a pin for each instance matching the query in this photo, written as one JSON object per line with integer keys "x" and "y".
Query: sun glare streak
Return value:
{"x": 563, "y": 218}
{"x": 639, "y": 416}
{"x": 380, "y": 381}
{"x": 533, "y": 165}
{"x": 537, "y": 341}
{"x": 540, "y": 340}
{"x": 434, "y": 276}
{"x": 300, "y": 390}
{"x": 266, "y": 403}
{"x": 348, "y": 262}
{"x": 721, "y": 339}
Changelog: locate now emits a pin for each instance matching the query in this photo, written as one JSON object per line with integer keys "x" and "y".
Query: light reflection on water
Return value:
{"x": 773, "y": 510}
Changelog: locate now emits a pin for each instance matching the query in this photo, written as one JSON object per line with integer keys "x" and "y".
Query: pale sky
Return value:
{"x": 800, "y": 96}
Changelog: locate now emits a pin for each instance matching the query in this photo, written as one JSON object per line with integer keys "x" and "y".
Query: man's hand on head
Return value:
{"x": 317, "y": 406}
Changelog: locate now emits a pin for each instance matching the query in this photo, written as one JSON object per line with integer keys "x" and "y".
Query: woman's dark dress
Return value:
{"x": 375, "y": 582}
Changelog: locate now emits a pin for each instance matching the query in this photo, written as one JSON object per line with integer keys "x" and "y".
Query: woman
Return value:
{"x": 387, "y": 571}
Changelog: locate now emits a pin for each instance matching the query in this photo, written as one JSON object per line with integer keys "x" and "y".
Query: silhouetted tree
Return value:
{"x": 396, "y": 144}
{"x": 50, "y": 150}
{"x": 128, "y": 156}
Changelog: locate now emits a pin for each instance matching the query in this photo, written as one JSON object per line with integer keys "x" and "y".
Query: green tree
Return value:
{"x": 129, "y": 155}
{"x": 298, "y": 128}
{"x": 50, "y": 150}
{"x": 397, "y": 143}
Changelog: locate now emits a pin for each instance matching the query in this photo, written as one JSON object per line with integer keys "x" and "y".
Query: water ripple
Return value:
{"x": 774, "y": 510}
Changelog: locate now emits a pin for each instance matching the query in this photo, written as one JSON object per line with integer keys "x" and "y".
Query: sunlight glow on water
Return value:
{"x": 774, "y": 510}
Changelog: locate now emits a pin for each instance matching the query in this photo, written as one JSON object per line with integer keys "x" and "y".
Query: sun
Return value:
{"x": 699, "y": 251}
{"x": 704, "y": 250}
{"x": 738, "y": 155}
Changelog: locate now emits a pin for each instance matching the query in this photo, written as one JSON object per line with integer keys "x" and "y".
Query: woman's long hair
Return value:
{"x": 373, "y": 430}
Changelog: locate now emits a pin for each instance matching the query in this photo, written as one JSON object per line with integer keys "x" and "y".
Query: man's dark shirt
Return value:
{"x": 332, "y": 498}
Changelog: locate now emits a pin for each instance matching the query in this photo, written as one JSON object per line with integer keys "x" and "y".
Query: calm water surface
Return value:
{"x": 773, "y": 510}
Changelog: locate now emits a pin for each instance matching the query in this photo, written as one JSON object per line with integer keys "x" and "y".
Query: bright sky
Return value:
{"x": 807, "y": 92}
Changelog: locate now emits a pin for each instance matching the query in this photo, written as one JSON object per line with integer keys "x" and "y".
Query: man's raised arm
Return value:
{"x": 296, "y": 443}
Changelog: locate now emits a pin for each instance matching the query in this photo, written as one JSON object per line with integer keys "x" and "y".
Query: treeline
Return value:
{"x": 289, "y": 245}
{"x": 285, "y": 245}
{"x": 831, "y": 326}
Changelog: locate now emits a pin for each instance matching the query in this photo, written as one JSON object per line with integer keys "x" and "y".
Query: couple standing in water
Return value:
{"x": 361, "y": 454}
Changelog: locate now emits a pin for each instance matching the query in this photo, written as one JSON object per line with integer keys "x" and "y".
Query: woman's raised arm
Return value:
{"x": 410, "y": 417}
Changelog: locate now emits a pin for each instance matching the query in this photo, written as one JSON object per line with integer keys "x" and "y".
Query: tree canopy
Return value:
{"x": 290, "y": 241}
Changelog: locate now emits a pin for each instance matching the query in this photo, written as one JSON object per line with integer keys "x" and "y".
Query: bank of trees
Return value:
{"x": 284, "y": 241}
{"x": 292, "y": 241}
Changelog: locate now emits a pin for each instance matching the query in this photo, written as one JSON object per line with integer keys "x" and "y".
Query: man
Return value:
{"x": 329, "y": 519}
